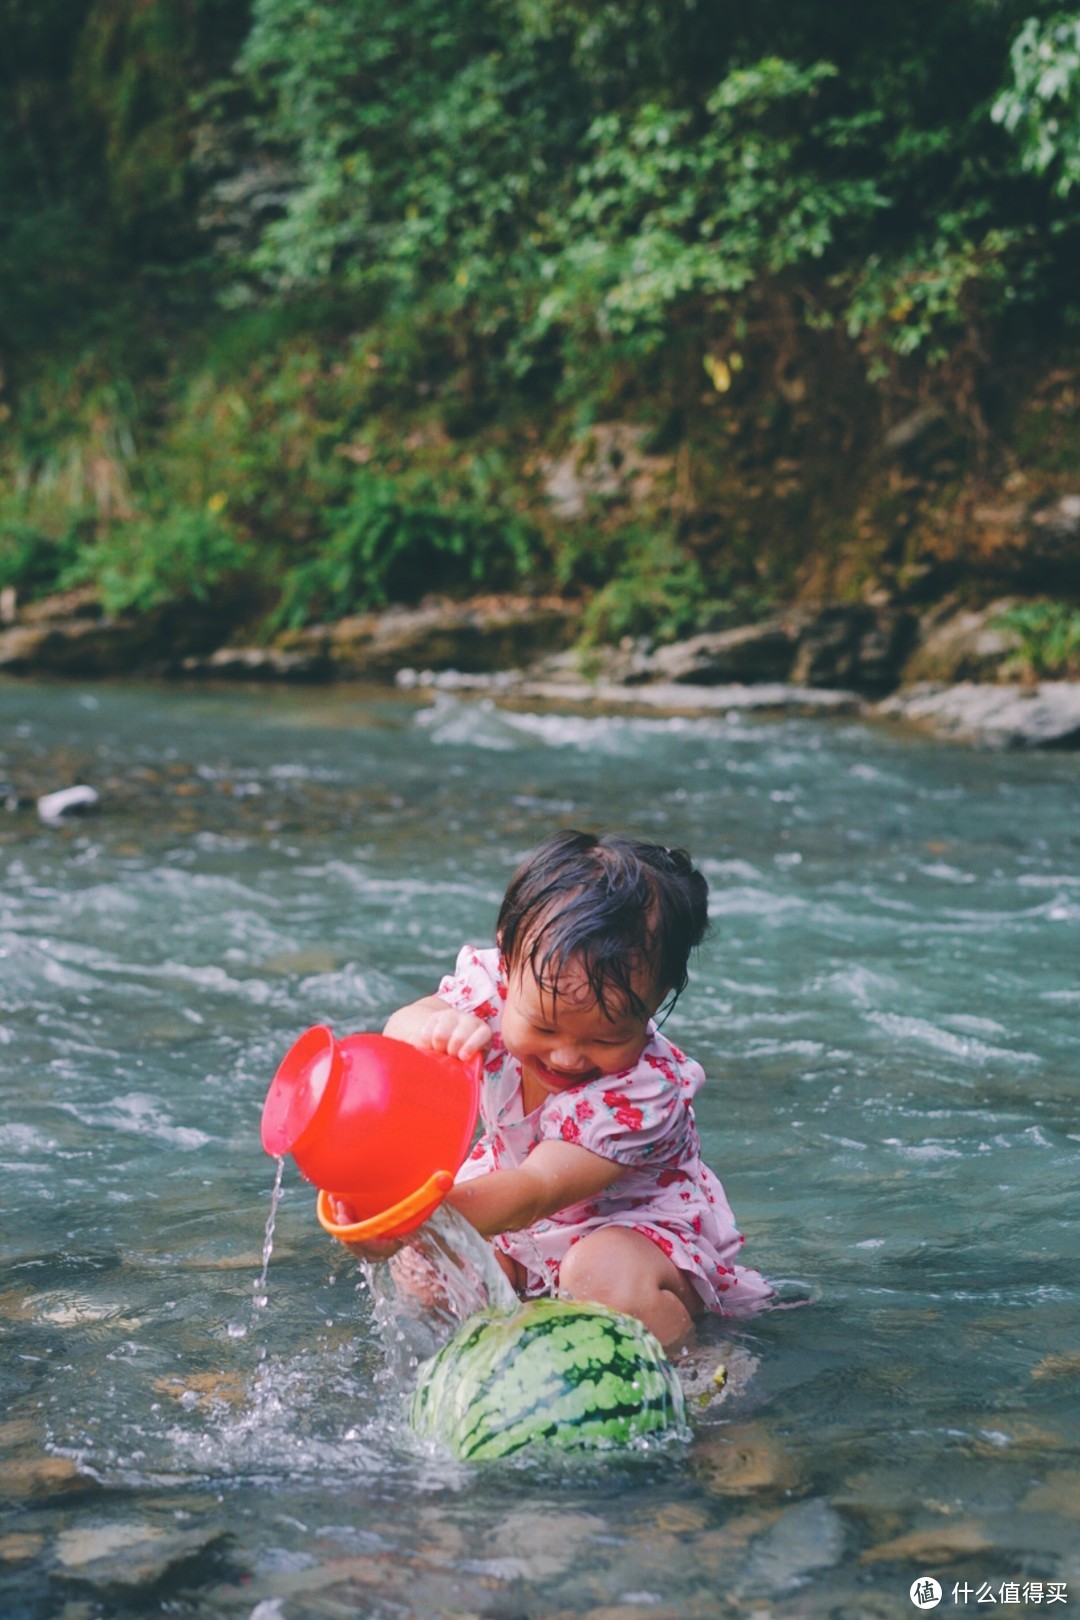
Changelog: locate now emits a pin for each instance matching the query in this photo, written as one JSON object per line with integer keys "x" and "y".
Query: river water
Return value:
{"x": 888, "y": 1014}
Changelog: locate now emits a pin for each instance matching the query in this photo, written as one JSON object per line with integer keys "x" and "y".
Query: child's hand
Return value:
{"x": 459, "y": 1034}
{"x": 373, "y": 1249}
{"x": 434, "y": 1024}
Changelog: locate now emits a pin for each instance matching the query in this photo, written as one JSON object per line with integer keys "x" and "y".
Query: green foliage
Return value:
{"x": 131, "y": 82}
{"x": 388, "y": 545}
{"x": 1042, "y": 105}
{"x": 185, "y": 555}
{"x": 545, "y": 176}
{"x": 33, "y": 561}
{"x": 96, "y": 127}
{"x": 672, "y": 211}
{"x": 435, "y": 220}
{"x": 655, "y": 589}
{"x": 930, "y": 300}
{"x": 65, "y": 469}
{"x": 1049, "y": 634}
{"x": 415, "y": 135}
{"x": 51, "y": 255}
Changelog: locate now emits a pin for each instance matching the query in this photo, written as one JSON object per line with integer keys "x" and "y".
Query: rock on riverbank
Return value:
{"x": 940, "y": 671}
{"x": 1042, "y": 716}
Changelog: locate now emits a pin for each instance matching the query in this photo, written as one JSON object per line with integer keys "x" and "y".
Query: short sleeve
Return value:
{"x": 476, "y": 984}
{"x": 639, "y": 1118}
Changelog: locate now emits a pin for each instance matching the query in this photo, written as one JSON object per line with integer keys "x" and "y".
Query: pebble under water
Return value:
{"x": 888, "y": 1015}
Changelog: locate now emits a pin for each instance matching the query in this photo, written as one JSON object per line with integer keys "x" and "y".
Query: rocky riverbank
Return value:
{"x": 944, "y": 670}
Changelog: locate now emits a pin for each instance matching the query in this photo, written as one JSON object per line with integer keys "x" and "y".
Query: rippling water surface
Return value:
{"x": 889, "y": 1013}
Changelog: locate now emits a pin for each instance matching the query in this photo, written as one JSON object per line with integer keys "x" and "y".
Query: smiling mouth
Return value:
{"x": 560, "y": 1078}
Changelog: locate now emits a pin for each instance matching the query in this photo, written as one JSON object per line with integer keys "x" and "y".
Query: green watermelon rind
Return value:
{"x": 567, "y": 1375}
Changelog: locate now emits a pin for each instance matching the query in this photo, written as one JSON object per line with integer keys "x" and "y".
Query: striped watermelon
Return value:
{"x": 574, "y": 1376}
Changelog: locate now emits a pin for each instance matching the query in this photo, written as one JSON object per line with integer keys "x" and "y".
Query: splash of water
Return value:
{"x": 444, "y": 1273}
{"x": 258, "y": 1291}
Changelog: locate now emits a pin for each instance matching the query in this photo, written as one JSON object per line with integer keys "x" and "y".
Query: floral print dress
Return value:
{"x": 641, "y": 1118}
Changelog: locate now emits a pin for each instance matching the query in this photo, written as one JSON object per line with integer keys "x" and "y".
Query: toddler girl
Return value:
{"x": 588, "y": 1174}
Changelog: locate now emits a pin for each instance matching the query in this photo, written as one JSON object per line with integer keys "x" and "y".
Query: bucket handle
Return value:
{"x": 401, "y": 1218}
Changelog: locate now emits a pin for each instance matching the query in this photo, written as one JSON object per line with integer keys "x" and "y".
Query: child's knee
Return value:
{"x": 593, "y": 1269}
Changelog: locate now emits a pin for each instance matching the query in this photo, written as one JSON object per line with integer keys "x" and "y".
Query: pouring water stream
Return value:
{"x": 444, "y": 1273}
{"x": 258, "y": 1292}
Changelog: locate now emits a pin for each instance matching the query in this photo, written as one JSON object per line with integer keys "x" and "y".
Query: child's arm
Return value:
{"x": 555, "y": 1175}
{"x": 433, "y": 1023}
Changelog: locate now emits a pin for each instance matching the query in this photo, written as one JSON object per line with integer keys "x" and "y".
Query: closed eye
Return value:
{"x": 540, "y": 1029}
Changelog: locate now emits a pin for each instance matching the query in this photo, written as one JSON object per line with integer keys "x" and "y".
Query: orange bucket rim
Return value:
{"x": 396, "y": 1221}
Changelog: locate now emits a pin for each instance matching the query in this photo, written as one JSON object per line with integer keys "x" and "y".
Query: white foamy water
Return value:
{"x": 886, "y": 1012}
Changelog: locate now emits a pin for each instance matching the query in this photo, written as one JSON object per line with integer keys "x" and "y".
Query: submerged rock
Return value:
{"x": 805, "y": 1539}
{"x": 1058, "y": 1493}
{"x": 20, "y": 1547}
{"x": 42, "y": 1477}
{"x": 938, "y": 1544}
{"x": 131, "y": 1556}
{"x": 743, "y": 1460}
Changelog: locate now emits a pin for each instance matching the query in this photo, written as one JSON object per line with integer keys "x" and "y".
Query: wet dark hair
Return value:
{"x": 613, "y": 904}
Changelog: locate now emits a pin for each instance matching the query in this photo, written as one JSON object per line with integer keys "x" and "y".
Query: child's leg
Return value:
{"x": 514, "y": 1270}
{"x": 624, "y": 1269}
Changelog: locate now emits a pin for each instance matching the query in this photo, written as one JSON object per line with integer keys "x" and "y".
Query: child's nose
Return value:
{"x": 568, "y": 1058}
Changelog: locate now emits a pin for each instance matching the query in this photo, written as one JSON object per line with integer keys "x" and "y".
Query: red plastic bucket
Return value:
{"x": 370, "y": 1119}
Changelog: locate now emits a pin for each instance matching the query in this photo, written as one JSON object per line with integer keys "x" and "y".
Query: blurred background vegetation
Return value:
{"x": 685, "y": 307}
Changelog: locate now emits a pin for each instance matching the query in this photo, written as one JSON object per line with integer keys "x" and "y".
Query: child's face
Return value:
{"x": 568, "y": 1039}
